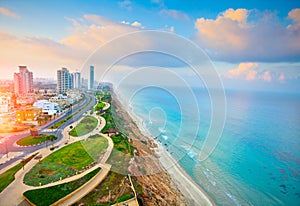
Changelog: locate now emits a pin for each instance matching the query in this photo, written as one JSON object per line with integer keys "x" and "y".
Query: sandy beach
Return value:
{"x": 193, "y": 193}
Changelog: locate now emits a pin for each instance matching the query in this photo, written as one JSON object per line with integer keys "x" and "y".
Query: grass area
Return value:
{"x": 109, "y": 120}
{"x": 100, "y": 106}
{"x": 9, "y": 176}
{"x": 122, "y": 144}
{"x": 32, "y": 140}
{"x": 116, "y": 184}
{"x": 58, "y": 124}
{"x": 49, "y": 195}
{"x": 85, "y": 126}
{"x": 66, "y": 161}
{"x": 120, "y": 156}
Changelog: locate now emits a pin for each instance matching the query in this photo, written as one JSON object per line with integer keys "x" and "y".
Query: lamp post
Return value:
{"x": 6, "y": 149}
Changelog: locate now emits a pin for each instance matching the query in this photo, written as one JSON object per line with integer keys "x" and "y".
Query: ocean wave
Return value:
{"x": 233, "y": 198}
{"x": 162, "y": 130}
{"x": 165, "y": 137}
{"x": 190, "y": 152}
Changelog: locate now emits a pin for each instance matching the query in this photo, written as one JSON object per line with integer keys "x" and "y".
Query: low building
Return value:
{"x": 112, "y": 132}
{"x": 26, "y": 99}
{"x": 61, "y": 100}
{"x": 5, "y": 104}
{"x": 47, "y": 107}
{"x": 28, "y": 115}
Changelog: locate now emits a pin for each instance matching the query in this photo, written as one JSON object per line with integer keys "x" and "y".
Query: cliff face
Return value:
{"x": 157, "y": 185}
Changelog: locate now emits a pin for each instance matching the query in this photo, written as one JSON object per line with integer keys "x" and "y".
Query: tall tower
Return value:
{"x": 92, "y": 78}
{"x": 77, "y": 81}
{"x": 64, "y": 80}
{"x": 23, "y": 81}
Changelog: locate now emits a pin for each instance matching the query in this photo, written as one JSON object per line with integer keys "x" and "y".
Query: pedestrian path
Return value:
{"x": 13, "y": 194}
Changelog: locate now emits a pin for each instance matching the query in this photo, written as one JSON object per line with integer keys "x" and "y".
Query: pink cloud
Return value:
{"x": 239, "y": 15}
{"x": 250, "y": 71}
{"x": 9, "y": 13}
{"x": 244, "y": 70}
{"x": 281, "y": 78}
{"x": 295, "y": 16}
{"x": 266, "y": 76}
{"x": 48, "y": 55}
{"x": 252, "y": 75}
{"x": 232, "y": 36}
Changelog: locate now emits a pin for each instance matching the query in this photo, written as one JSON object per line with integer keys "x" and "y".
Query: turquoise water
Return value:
{"x": 257, "y": 161}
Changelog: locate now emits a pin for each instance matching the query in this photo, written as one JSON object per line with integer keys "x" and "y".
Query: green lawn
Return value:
{"x": 86, "y": 125}
{"x": 9, "y": 176}
{"x": 49, "y": 195}
{"x": 31, "y": 140}
{"x": 109, "y": 120}
{"x": 120, "y": 156}
{"x": 100, "y": 106}
{"x": 66, "y": 161}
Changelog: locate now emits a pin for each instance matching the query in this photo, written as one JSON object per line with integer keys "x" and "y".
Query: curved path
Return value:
{"x": 10, "y": 139}
{"x": 13, "y": 194}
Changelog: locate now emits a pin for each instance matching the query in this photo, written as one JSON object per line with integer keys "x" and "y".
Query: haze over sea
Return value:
{"x": 257, "y": 161}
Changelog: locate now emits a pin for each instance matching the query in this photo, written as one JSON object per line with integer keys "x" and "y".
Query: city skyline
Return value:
{"x": 243, "y": 55}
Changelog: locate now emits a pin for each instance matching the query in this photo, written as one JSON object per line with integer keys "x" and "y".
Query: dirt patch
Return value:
{"x": 47, "y": 172}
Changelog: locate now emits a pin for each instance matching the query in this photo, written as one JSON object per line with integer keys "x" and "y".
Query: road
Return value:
{"x": 9, "y": 141}
{"x": 13, "y": 194}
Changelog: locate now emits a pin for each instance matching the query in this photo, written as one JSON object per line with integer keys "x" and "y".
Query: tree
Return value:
{"x": 71, "y": 127}
{"x": 52, "y": 138}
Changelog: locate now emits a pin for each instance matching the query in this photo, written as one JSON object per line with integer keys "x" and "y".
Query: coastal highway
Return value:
{"x": 8, "y": 142}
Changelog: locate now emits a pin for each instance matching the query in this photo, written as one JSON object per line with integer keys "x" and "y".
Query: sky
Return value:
{"x": 252, "y": 44}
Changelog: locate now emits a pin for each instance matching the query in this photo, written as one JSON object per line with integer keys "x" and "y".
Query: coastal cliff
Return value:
{"x": 158, "y": 187}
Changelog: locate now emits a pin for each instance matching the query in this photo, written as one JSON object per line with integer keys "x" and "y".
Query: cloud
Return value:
{"x": 174, "y": 14}
{"x": 249, "y": 35}
{"x": 6, "y": 12}
{"x": 93, "y": 30}
{"x": 251, "y": 71}
{"x": 266, "y": 76}
{"x": 47, "y": 55}
{"x": 295, "y": 16}
{"x": 239, "y": 15}
{"x": 136, "y": 24}
{"x": 251, "y": 75}
{"x": 126, "y": 4}
{"x": 281, "y": 77}
{"x": 244, "y": 70}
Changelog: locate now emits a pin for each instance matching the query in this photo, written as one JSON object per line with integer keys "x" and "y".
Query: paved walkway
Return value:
{"x": 107, "y": 105}
{"x": 69, "y": 200}
{"x": 13, "y": 194}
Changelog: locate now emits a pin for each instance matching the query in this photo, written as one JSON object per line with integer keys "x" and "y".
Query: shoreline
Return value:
{"x": 194, "y": 194}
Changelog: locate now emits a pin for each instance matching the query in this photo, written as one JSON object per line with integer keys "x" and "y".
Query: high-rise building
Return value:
{"x": 64, "y": 80}
{"x": 72, "y": 81}
{"x": 92, "y": 78}
{"x": 23, "y": 81}
{"x": 77, "y": 80}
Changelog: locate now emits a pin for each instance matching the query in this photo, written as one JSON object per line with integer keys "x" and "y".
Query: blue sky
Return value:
{"x": 250, "y": 41}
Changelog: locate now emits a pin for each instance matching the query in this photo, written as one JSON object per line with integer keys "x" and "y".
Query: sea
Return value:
{"x": 257, "y": 159}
